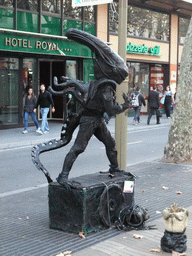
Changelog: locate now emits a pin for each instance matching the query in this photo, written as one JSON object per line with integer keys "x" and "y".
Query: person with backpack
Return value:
{"x": 137, "y": 100}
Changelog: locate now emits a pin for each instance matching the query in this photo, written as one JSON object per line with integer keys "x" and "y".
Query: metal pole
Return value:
{"x": 121, "y": 120}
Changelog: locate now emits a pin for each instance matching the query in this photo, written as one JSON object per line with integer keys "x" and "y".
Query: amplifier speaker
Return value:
{"x": 94, "y": 205}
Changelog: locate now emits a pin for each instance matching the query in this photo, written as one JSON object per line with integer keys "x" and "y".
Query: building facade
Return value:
{"x": 156, "y": 32}
{"x": 33, "y": 50}
{"x": 33, "y": 47}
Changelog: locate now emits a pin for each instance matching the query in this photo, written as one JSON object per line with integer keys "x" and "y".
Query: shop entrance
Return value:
{"x": 49, "y": 69}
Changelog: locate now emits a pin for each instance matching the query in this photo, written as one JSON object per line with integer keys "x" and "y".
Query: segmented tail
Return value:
{"x": 66, "y": 135}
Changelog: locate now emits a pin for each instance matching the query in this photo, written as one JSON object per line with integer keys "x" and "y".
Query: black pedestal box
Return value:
{"x": 95, "y": 204}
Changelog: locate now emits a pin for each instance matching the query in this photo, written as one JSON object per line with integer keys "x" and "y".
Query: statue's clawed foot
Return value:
{"x": 62, "y": 179}
{"x": 115, "y": 171}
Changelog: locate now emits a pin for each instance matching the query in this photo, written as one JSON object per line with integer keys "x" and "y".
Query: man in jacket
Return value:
{"x": 137, "y": 102}
{"x": 44, "y": 100}
{"x": 153, "y": 100}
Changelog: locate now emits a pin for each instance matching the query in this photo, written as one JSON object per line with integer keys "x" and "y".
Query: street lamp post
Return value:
{"x": 121, "y": 120}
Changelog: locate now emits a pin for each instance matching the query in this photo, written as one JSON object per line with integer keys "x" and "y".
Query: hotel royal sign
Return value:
{"x": 80, "y": 3}
{"x": 40, "y": 44}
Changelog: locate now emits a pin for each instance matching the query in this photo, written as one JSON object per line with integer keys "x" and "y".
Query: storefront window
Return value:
{"x": 7, "y": 18}
{"x": 71, "y": 69}
{"x": 89, "y": 28}
{"x": 183, "y": 27}
{"x": 8, "y": 3}
{"x": 157, "y": 78}
{"x": 67, "y": 24}
{"x": 89, "y": 12}
{"x": 141, "y": 22}
{"x": 27, "y": 21}
{"x": 71, "y": 12}
{"x": 50, "y": 25}
{"x": 71, "y": 72}
{"x": 29, "y": 77}
{"x": 82, "y": 18}
{"x": 113, "y": 17}
{"x": 9, "y": 91}
{"x": 138, "y": 77}
{"x": 29, "y": 74}
{"x": 88, "y": 70}
{"x": 53, "y": 6}
{"x": 29, "y": 5}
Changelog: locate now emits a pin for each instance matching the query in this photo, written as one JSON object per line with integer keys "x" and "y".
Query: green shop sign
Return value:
{"x": 138, "y": 49}
{"x": 15, "y": 41}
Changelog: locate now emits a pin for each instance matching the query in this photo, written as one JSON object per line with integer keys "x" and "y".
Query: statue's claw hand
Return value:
{"x": 64, "y": 78}
{"x": 126, "y": 100}
{"x": 55, "y": 80}
{"x": 125, "y": 97}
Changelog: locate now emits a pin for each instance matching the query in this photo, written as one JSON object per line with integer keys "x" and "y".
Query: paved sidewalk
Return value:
{"x": 13, "y": 138}
{"x": 24, "y": 216}
{"x": 150, "y": 194}
{"x": 126, "y": 245}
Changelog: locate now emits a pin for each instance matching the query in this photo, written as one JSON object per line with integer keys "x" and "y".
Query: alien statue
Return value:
{"x": 95, "y": 97}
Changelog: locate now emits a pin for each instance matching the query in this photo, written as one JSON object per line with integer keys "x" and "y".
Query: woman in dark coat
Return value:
{"x": 168, "y": 101}
{"x": 30, "y": 102}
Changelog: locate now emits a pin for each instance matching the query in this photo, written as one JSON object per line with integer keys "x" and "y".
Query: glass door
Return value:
{"x": 71, "y": 72}
{"x": 58, "y": 70}
{"x": 45, "y": 75}
{"x": 157, "y": 78}
{"x": 64, "y": 105}
{"x": 29, "y": 78}
{"x": 9, "y": 87}
{"x": 139, "y": 77}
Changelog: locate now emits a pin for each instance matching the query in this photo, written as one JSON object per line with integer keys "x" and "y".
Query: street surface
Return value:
{"x": 24, "y": 218}
{"x": 144, "y": 143}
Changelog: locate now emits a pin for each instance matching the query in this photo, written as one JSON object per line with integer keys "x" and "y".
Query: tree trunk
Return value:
{"x": 179, "y": 146}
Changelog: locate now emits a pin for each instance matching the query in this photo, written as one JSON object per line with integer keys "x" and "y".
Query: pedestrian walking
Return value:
{"x": 137, "y": 100}
{"x": 45, "y": 101}
{"x": 169, "y": 100}
{"x": 30, "y": 103}
{"x": 154, "y": 104}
